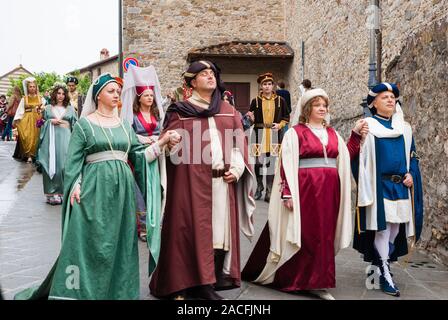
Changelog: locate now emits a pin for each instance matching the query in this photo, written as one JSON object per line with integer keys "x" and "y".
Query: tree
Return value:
{"x": 46, "y": 80}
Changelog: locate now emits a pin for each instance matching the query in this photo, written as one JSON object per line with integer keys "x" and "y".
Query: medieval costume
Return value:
{"x": 3, "y": 116}
{"x": 11, "y": 110}
{"x": 267, "y": 111}
{"x": 99, "y": 253}
{"x": 137, "y": 81}
{"x": 296, "y": 249}
{"x": 388, "y": 212}
{"x": 202, "y": 216}
{"x": 53, "y": 147}
{"x": 26, "y": 118}
{"x": 76, "y": 99}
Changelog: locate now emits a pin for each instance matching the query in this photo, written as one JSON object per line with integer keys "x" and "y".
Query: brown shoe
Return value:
{"x": 180, "y": 295}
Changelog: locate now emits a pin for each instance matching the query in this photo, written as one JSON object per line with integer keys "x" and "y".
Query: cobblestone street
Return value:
{"x": 30, "y": 235}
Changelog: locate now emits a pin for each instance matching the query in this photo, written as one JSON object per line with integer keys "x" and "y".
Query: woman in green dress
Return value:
{"x": 60, "y": 118}
{"x": 99, "y": 257}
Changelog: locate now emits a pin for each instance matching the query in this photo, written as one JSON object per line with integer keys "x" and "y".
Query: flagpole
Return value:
{"x": 120, "y": 37}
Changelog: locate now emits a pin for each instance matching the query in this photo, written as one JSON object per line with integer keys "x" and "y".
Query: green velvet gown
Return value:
{"x": 99, "y": 253}
{"x": 55, "y": 185}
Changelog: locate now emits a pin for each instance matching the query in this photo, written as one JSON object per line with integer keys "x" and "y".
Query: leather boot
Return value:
{"x": 260, "y": 187}
{"x": 269, "y": 181}
{"x": 222, "y": 281}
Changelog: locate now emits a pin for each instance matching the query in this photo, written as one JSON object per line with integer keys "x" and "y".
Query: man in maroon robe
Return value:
{"x": 208, "y": 193}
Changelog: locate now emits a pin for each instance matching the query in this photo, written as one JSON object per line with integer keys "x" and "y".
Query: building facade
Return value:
{"x": 16, "y": 73}
{"x": 106, "y": 64}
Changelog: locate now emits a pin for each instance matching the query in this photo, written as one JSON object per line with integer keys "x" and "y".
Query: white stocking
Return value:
{"x": 382, "y": 242}
{"x": 382, "y": 239}
{"x": 394, "y": 230}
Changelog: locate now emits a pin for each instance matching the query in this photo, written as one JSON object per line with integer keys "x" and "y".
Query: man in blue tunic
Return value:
{"x": 390, "y": 202}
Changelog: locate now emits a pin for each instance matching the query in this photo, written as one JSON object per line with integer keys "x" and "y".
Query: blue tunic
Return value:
{"x": 393, "y": 161}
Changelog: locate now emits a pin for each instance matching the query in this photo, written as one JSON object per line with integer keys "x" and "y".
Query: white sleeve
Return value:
{"x": 237, "y": 164}
{"x": 20, "y": 110}
{"x": 152, "y": 152}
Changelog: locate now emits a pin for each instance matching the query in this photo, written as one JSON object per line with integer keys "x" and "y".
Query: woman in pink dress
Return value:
{"x": 310, "y": 215}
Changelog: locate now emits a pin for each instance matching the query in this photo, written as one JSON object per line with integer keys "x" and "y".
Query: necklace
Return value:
{"x": 108, "y": 140}
{"x": 104, "y": 115}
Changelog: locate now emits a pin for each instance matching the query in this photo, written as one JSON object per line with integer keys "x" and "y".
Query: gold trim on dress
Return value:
{"x": 255, "y": 149}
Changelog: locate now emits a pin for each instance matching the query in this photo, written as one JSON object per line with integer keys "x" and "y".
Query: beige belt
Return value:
{"x": 317, "y": 163}
{"x": 107, "y": 156}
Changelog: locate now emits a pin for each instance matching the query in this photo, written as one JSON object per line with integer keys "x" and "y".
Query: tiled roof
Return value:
{"x": 244, "y": 49}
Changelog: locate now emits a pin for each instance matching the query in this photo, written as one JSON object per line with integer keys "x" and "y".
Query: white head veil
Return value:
{"x": 137, "y": 76}
{"x": 25, "y": 85}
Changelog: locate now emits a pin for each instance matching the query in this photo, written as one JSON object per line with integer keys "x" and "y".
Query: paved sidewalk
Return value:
{"x": 30, "y": 234}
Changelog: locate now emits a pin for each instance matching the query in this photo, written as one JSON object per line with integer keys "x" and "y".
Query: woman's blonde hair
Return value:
{"x": 306, "y": 110}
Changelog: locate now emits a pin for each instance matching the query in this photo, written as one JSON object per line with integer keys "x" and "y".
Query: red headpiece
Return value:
{"x": 141, "y": 89}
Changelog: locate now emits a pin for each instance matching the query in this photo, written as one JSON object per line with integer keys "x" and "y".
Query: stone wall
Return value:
{"x": 336, "y": 50}
{"x": 421, "y": 71}
{"x": 162, "y": 32}
{"x": 336, "y": 45}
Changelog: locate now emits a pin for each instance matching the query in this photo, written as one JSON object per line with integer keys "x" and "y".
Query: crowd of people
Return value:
{"x": 181, "y": 174}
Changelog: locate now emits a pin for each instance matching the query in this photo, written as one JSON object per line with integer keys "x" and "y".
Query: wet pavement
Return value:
{"x": 30, "y": 234}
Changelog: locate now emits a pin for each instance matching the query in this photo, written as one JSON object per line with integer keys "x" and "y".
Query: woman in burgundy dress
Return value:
{"x": 310, "y": 215}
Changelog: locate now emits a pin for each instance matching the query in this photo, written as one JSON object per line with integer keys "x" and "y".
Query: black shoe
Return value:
{"x": 267, "y": 198}
{"x": 224, "y": 284}
{"x": 205, "y": 293}
{"x": 258, "y": 194}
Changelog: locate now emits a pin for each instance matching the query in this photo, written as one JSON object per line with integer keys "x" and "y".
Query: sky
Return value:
{"x": 56, "y": 35}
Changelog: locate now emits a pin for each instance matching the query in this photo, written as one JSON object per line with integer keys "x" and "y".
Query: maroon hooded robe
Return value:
{"x": 186, "y": 254}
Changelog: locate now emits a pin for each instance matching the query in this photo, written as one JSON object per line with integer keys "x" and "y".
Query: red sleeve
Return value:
{"x": 286, "y": 193}
{"x": 354, "y": 145}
